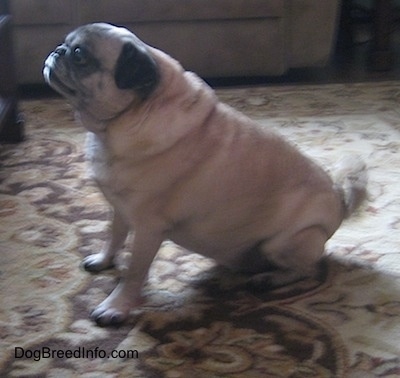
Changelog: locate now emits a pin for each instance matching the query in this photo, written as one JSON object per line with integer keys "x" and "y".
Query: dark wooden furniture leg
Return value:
{"x": 381, "y": 55}
{"x": 11, "y": 128}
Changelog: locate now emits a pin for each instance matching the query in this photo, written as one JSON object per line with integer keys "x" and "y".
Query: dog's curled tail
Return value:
{"x": 351, "y": 178}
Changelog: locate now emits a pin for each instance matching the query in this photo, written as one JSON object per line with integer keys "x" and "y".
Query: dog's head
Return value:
{"x": 102, "y": 69}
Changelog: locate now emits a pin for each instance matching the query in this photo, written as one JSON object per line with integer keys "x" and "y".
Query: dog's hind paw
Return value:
{"x": 274, "y": 280}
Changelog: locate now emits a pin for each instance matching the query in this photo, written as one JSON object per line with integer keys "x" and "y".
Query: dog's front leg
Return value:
{"x": 105, "y": 259}
{"x": 115, "y": 308}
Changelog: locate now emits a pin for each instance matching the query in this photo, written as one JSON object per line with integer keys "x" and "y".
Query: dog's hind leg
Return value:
{"x": 105, "y": 259}
{"x": 296, "y": 259}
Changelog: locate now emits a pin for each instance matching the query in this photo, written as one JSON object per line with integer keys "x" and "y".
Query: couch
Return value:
{"x": 215, "y": 38}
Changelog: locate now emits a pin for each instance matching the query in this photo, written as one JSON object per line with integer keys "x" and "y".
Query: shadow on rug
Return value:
{"x": 199, "y": 320}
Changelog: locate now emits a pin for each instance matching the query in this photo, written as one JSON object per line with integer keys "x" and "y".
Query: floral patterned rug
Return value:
{"x": 198, "y": 319}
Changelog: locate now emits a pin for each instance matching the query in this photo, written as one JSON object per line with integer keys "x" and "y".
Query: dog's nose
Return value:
{"x": 60, "y": 50}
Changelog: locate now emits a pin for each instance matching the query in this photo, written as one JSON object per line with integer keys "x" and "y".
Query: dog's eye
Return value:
{"x": 79, "y": 56}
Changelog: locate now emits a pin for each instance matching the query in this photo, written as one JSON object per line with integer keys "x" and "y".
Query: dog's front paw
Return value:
{"x": 96, "y": 263}
{"x": 109, "y": 316}
{"x": 115, "y": 308}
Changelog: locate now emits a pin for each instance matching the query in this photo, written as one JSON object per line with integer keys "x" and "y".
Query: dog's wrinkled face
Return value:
{"x": 102, "y": 69}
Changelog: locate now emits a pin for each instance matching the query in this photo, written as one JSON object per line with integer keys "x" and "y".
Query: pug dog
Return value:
{"x": 177, "y": 164}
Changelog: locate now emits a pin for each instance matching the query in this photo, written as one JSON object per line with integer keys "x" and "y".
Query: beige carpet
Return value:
{"x": 198, "y": 320}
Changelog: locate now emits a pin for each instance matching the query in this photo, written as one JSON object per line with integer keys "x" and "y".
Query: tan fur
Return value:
{"x": 183, "y": 166}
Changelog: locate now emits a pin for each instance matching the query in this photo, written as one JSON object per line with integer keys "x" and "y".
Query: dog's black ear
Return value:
{"x": 136, "y": 69}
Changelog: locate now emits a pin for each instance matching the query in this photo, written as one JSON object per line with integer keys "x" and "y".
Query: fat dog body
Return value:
{"x": 177, "y": 164}
{"x": 140, "y": 161}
